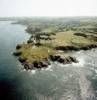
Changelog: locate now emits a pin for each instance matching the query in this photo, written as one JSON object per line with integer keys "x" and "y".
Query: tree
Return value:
{"x": 37, "y": 35}
{"x": 33, "y": 29}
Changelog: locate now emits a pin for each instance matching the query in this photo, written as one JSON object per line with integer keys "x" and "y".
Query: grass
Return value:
{"x": 69, "y": 39}
{"x": 32, "y": 53}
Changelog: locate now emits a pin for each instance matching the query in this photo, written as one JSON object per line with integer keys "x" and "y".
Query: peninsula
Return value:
{"x": 53, "y": 40}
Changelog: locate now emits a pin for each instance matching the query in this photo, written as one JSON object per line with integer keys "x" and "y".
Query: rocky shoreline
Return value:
{"x": 52, "y": 58}
{"x": 72, "y": 48}
{"x": 45, "y": 63}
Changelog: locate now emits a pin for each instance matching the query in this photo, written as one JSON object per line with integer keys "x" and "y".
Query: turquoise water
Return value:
{"x": 58, "y": 82}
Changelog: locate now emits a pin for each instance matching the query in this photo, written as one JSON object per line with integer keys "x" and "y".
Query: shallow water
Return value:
{"x": 58, "y": 82}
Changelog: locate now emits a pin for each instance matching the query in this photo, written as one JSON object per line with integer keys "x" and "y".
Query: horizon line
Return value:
{"x": 45, "y": 16}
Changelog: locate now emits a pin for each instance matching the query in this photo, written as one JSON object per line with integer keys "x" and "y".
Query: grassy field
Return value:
{"x": 32, "y": 53}
{"x": 68, "y": 38}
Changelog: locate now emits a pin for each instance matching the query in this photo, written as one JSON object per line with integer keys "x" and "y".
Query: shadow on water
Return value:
{"x": 7, "y": 90}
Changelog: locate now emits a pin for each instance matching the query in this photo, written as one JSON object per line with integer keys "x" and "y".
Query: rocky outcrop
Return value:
{"x": 72, "y": 48}
{"x": 44, "y": 64}
{"x": 52, "y": 58}
{"x": 67, "y": 48}
{"x": 88, "y": 47}
{"x": 22, "y": 60}
{"x": 29, "y": 41}
{"x": 62, "y": 60}
{"x": 80, "y": 34}
{"x": 18, "y": 46}
{"x": 73, "y": 59}
{"x": 17, "y": 53}
{"x": 35, "y": 65}
{"x": 27, "y": 66}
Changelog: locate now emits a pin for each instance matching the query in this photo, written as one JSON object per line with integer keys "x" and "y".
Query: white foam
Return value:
{"x": 96, "y": 71}
{"x": 33, "y": 71}
{"x": 49, "y": 68}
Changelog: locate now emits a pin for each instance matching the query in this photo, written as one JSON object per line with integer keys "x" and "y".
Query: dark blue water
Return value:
{"x": 10, "y": 35}
{"x": 58, "y": 82}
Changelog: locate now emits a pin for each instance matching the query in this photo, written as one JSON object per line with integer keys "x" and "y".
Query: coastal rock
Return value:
{"x": 22, "y": 60}
{"x": 61, "y": 60}
{"x": 52, "y": 58}
{"x": 29, "y": 41}
{"x": 39, "y": 64}
{"x": 72, "y": 48}
{"x": 30, "y": 66}
{"x": 67, "y": 48}
{"x": 92, "y": 46}
{"x": 46, "y": 62}
{"x": 73, "y": 59}
{"x": 35, "y": 64}
{"x": 18, "y": 46}
{"x": 88, "y": 47}
{"x": 43, "y": 64}
{"x": 68, "y": 61}
{"x": 81, "y": 34}
{"x": 85, "y": 48}
{"x": 17, "y": 53}
{"x": 57, "y": 57}
{"x": 26, "y": 66}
